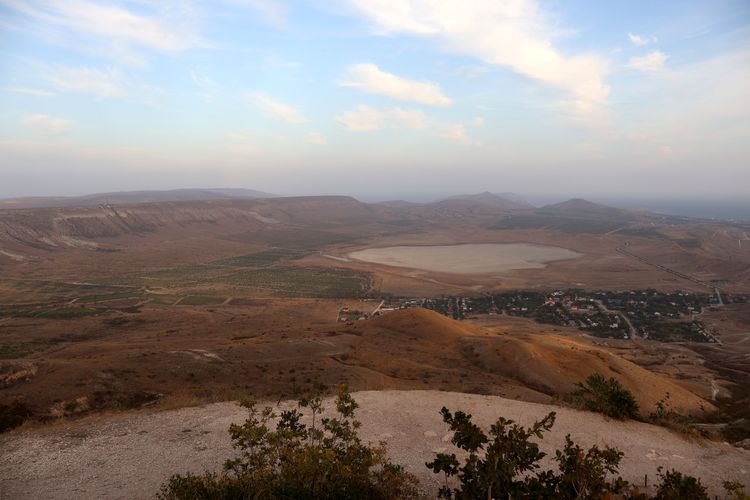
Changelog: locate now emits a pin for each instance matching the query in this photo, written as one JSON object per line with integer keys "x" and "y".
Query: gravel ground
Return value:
{"x": 130, "y": 455}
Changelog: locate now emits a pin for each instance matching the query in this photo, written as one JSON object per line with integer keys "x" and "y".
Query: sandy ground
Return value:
{"x": 130, "y": 455}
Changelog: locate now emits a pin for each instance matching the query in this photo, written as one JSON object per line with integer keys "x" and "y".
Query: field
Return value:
{"x": 204, "y": 301}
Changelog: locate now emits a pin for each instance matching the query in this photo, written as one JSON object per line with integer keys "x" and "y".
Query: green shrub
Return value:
{"x": 13, "y": 414}
{"x": 605, "y": 396}
{"x": 675, "y": 485}
{"x": 505, "y": 464}
{"x": 295, "y": 461}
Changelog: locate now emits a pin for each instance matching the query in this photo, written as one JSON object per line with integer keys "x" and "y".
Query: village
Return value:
{"x": 647, "y": 314}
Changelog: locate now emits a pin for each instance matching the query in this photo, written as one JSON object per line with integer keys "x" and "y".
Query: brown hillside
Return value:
{"x": 550, "y": 364}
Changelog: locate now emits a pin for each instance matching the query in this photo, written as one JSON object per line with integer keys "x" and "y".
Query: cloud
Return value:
{"x": 365, "y": 118}
{"x": 478, "y": 121}
{"x": 372, "y": 80}
{"x": 202, "y": 80}
{"x": 34, "y": 92}
{"x": 77, "y": 22}
{"x": 45, "y": 125}
{"x": 653, "y": 61}
{"x": 278, "y": 109}
{"x": 640, "y": 40}
{"x": 513, "y": 34}
{"x": 272, "y": 11}
{"x": 457, "y": 133}
{"x": 316, "y": 138}
{"x": 102, "y": 84}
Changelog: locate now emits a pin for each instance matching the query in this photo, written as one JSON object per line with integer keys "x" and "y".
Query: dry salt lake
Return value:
{"x": 471, "y": 258}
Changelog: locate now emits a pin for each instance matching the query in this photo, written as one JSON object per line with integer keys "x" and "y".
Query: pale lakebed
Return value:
{"x": 470, "y": 258}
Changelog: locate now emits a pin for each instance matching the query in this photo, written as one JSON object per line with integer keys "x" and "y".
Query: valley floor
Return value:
{"x": 130, "y": 455}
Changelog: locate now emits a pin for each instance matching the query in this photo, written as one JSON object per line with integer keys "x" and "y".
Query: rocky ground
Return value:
{"x": 130, "y": 455}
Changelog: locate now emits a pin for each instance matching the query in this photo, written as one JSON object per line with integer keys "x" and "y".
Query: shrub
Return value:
{"x": 13, "y": 415}
{"x": 735, "y": 490}
{"x": 505, "y": 464}
{"x": 323, "y": 460}
{"x": 606, "y": 396}
{"x": 675, "y": 485}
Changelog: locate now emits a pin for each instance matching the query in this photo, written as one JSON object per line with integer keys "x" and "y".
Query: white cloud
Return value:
{"x": 640, "y": 40}
{"x": 653, "y": 61}
{"x": 34, "y": 92}
{"x": 372, "y": 80}
{"x": 278, "y": 109}
{"x": 202, "y": 80}
{"x": 316, "y": 138}
{"x": 512, "y": 33}
{"x": 478, "y": 121}
{"x": 46, "y": 125}
{"x": 124, "y": 33}
{"x": 365, "y": 118}
{"x": 457, "y": 133}
{"x": 101, "y": 84}
{"x": 273, "y": 12}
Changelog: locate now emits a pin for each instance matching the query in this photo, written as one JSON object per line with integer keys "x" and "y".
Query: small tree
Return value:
{"x": 506, "y": 464}
{"x": 583, "y": 474}
{"x": 675, "y": 485}
{"x": 323, "y": 460}
{"x": 606, "y": 396}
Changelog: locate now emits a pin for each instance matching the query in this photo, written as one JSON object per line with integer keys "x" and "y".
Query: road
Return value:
{"x": 631, "y": 328}
{"x": 679, "y": 274}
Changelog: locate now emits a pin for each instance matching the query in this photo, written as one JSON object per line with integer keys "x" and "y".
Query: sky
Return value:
{"x": 381, "y": 99}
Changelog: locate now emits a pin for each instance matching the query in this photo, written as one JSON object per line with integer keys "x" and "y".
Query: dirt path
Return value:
{"x": 130, "y": 455}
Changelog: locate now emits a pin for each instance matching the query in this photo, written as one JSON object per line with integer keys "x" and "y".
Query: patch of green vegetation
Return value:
{"x": 262, "y": 259}
{"x": 303, "y": 239}
{"x": 570, "y": 225}
{"x": 90, "y": 299}
{"x": 13, "y": 415}
{"x": 605, "y": 396}
{"x": 201, "y": 300}
{"x": 69, "y": 313}
{"x": 294, "y": 460}
{"x": 15, "y": 350}
{"x": 689, "y": 242}
{"x": 399, "y": 222}
{"x": 163, "y": 299}
{"x": 303, "y": 281}
{"x": 643, "y": 232}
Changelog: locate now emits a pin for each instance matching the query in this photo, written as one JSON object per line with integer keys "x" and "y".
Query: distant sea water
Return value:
{"x": 706, "y": 209}
{"x": 728, "y": 209}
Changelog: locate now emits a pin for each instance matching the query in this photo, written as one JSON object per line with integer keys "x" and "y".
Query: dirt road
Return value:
{"x": 130, "y": 455}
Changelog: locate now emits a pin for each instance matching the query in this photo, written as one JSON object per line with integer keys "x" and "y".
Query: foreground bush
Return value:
{"x": 675, "y": 485}
{"x": 606, "y": 396}
{"x": 327, "y": 460}
{"x": 505, "y": 464}
{"x": 323, "y": 460}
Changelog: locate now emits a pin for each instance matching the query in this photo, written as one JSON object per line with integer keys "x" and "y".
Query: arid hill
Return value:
{"x": 131, "y": 197}
{"x": 547, "y": 363}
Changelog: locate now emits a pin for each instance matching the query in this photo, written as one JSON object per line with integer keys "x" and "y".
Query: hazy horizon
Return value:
{"x": 378, "y": 99}
{"x": 712, "y": 208}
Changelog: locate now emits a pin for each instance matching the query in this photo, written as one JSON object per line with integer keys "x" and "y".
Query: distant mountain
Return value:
{"x": 503, "y": 201}
{"x": 581, "y": 207}
{"x": 132, "y": 197}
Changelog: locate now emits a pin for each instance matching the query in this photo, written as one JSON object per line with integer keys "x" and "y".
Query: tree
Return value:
{"x": 325, "y": 459}
{"x": 505, "y": 464}
{"x": 606, "y": 396}
{"x": 675, "y": 485}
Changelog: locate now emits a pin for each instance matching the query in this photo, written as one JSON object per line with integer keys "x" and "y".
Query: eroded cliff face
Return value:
{"x": 81, "y": 227}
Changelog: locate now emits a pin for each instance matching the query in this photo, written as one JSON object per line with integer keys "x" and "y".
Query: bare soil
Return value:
{"x": 129, "y": 456}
